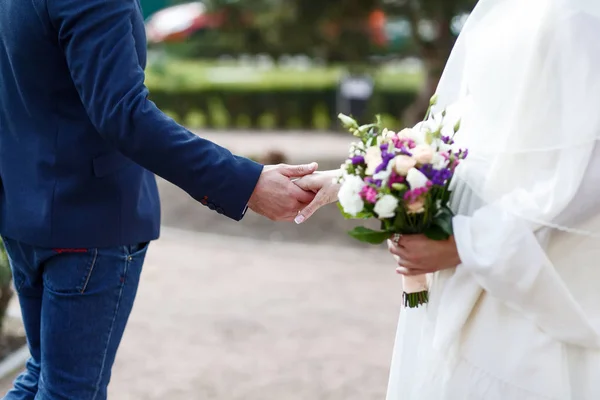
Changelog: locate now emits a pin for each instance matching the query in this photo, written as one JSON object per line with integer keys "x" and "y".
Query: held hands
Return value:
{"x": 326, "y": 190}
{"x": 416, "y": 254}
{"x": 276, "y": 197}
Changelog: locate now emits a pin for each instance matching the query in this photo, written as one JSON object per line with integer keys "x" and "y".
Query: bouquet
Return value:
{"x": 403, "y": 180}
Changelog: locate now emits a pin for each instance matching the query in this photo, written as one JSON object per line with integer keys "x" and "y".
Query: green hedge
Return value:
{"x": 269, "y": 109}
{"x": 201, "y": 94}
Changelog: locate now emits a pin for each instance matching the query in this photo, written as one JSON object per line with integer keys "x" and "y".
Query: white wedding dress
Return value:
{"x": 520, "y": 317}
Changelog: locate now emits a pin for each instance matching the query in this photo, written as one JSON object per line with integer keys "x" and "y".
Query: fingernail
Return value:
{"x": 299, "y": 219}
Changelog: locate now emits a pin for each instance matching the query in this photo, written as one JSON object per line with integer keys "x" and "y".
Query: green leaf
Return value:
{"x": 435, "y": 232}
{"x": 399, "y": 186}
{"x": 360, "y": 215}
{"x": 446, "y": 197}
{"x": 369, "y": 236}
{"x": 445, "y": 212}
{"x": 365, "y": 129}
{"x": 443, "y": 221}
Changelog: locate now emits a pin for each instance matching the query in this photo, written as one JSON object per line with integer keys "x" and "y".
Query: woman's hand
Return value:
{"x": 321, "y": 183}
{"x": 416, "y": 254}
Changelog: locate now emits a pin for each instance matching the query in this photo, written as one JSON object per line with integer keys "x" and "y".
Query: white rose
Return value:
{"x": 443, "y": 147}
{"x": 429, "y": 126}
{"x": 403, "y": 164}
{"x": 387, "y": 134}
{"x": 416, "y": 134}
{"x": 406, "y": 133}
{"x": 416, "y": 179}
{"x": 438, "y": 161}
{"x": 373, "y": 159}
{"x": 422, "y": 154}
{"x": 386, "y": 206}
{"x": 349, "y": 194}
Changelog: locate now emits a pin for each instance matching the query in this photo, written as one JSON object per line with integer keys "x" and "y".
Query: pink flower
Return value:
{"x": 423, "y": 154}
{"x": 400, "y": 142}
{"x": 417, "y": 206}
{"x": 395, "y": 178}
{"x": 369, "y": 194}
{"x": 413, "y": 195}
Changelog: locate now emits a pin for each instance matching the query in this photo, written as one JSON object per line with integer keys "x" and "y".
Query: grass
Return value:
{"x": 198, "y": 75}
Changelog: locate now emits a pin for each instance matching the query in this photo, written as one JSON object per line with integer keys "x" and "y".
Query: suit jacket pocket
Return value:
{"x": 109, "y": 163}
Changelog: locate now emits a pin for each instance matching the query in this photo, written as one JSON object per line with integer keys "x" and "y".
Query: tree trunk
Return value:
{"x": 416, "y": 111}
{"x": 434, "y": 55}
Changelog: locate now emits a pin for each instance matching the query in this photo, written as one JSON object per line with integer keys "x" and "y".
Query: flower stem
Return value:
{"x": 414, "y": 300}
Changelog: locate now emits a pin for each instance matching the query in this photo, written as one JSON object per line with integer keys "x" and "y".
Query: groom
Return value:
{"x": 79, "y": 146}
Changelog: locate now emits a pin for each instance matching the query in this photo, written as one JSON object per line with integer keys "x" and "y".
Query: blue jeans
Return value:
{"x": 75, "y": 305}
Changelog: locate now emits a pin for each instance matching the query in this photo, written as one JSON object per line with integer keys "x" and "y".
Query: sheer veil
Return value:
{"x": 524, "y": 77}
{"x": 532, "y": 121}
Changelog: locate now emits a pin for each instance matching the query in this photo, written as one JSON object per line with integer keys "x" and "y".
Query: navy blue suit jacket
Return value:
{"x": 79, "y": 139}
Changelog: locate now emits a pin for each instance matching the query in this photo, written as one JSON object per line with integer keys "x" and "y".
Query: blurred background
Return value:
{"x": 257, "y": 309}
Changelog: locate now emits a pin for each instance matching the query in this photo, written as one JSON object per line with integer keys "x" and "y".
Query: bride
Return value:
{"x": 514, "y": 309}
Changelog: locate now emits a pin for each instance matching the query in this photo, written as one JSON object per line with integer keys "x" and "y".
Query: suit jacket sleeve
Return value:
{"x": 99, "y": 46}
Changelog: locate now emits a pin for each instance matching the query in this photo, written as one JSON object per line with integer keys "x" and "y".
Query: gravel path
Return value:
{"x": 230, "y": 319}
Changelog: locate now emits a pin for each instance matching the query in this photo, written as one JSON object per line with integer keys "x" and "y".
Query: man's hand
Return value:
{"x": 416, "y": 254}
{"x": 276, "y": 197}
{"x": 321, "y": 183}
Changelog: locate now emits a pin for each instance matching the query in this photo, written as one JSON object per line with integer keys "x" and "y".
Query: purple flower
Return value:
{"x": 438, "y": 177}
{"x": 405, "y": 152}
{"x": 386, "y": 157}
{"x": 357, "y": 160}
{"x": 447, "y": 140}
{"x": 370, "y": 181}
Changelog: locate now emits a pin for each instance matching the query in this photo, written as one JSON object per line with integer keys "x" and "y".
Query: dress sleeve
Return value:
{"x": 507, "y": 256}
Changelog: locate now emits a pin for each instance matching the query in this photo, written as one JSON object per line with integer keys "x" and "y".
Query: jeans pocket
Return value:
{"x": 69, "y": 272}
{"x": 136, "y": 250}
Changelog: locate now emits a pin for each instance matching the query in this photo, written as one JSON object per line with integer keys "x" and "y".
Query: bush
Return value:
{"x": 6, "y": 292}
{"x": 198, "y": 95}
{"x": 269, "y": 109}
